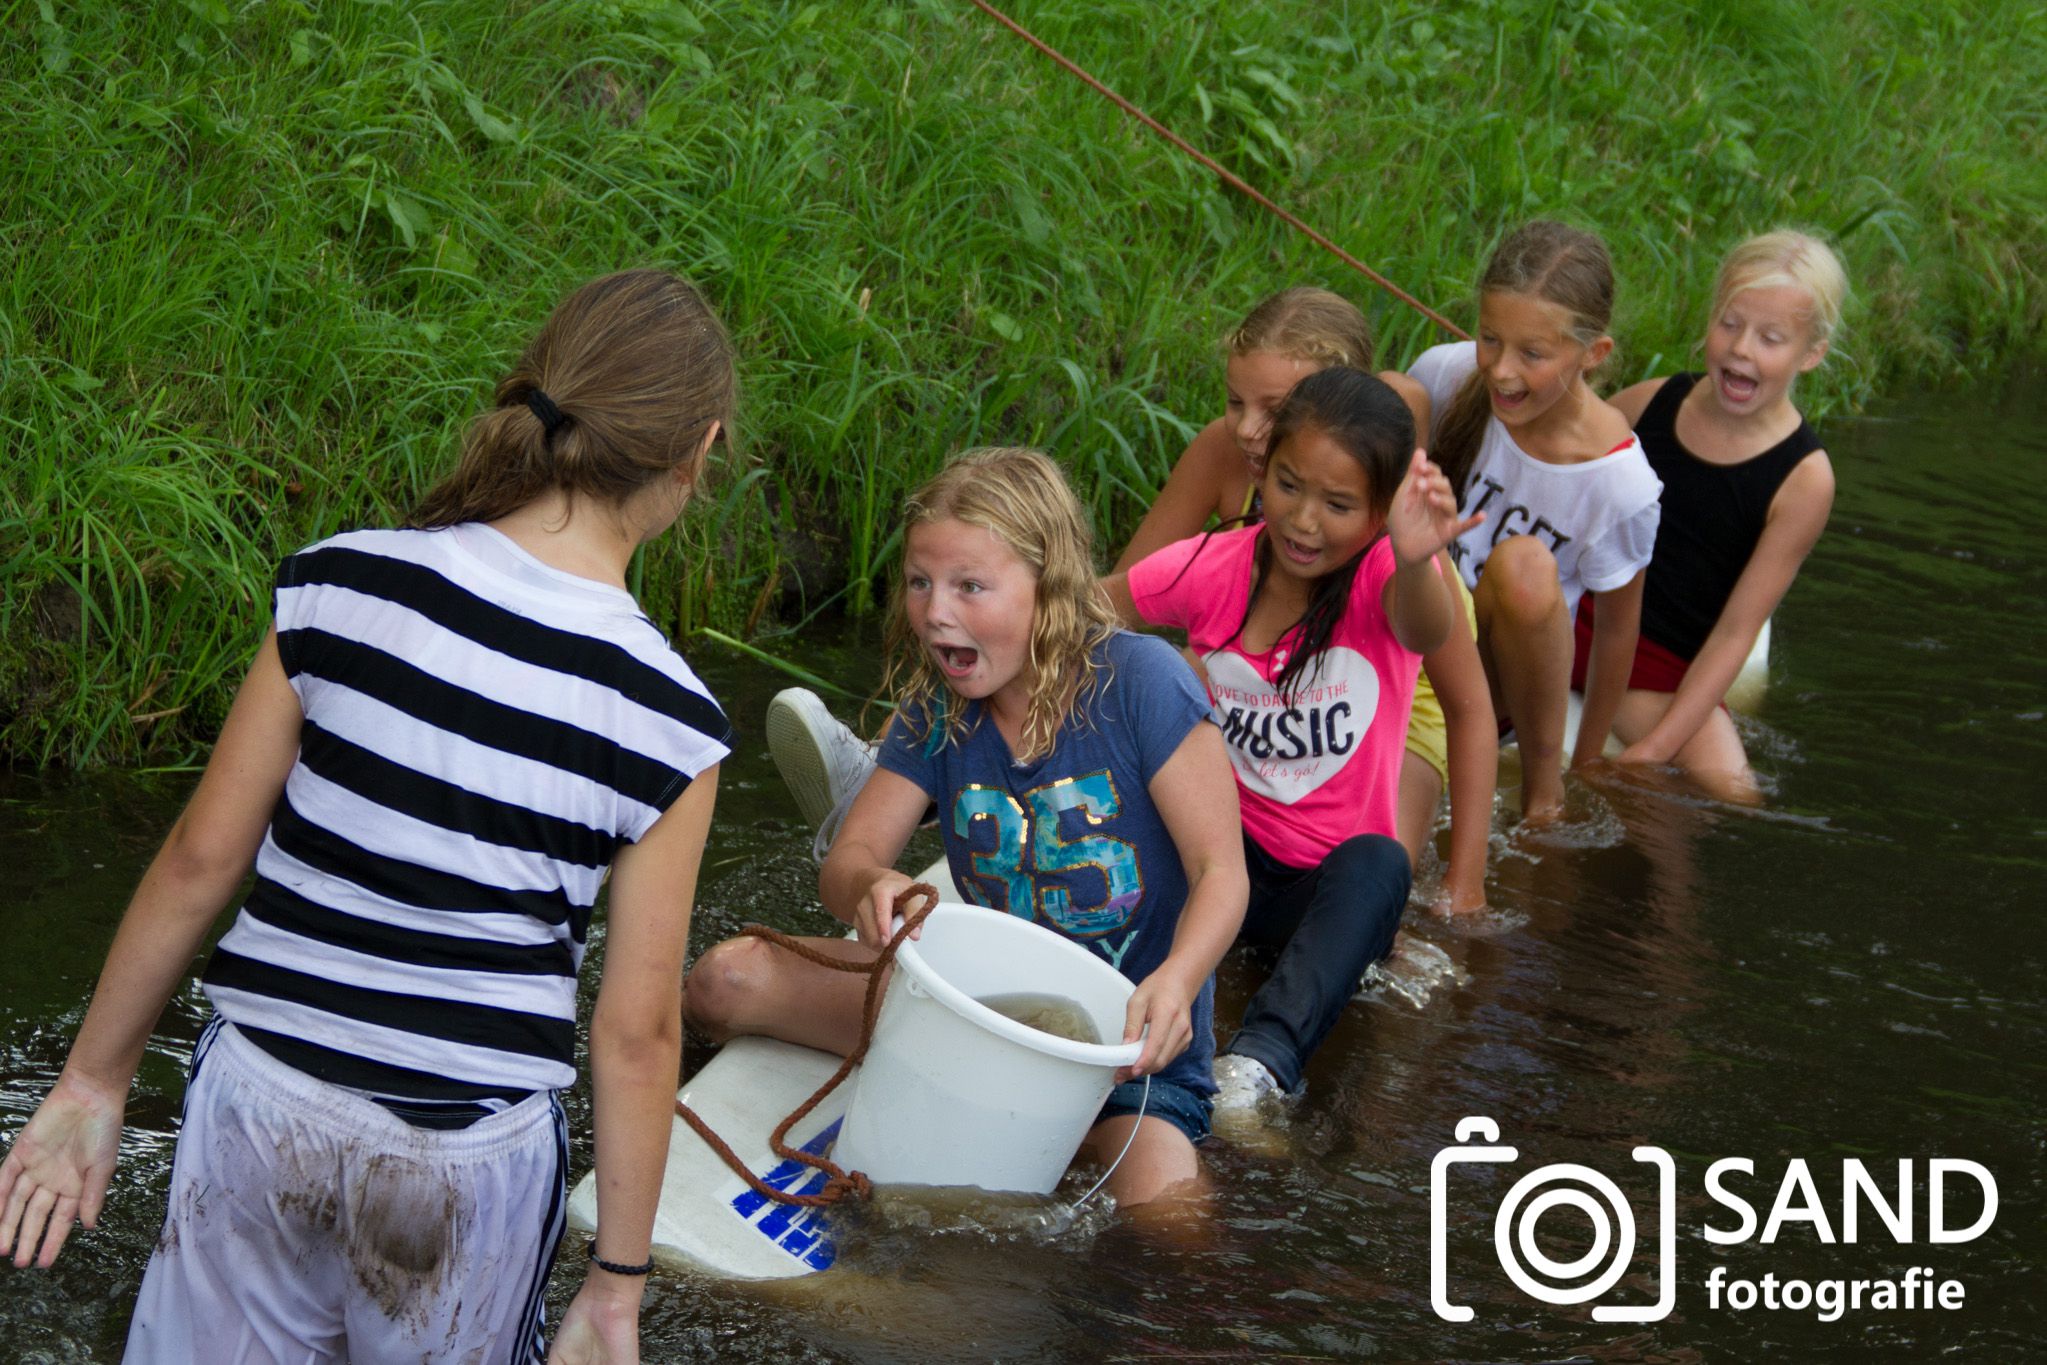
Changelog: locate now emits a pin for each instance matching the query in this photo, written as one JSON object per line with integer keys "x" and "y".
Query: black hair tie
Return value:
{"x": 552, "y": 418}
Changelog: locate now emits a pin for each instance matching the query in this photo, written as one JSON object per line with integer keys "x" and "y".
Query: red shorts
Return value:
{"x": 1656, "y": 668}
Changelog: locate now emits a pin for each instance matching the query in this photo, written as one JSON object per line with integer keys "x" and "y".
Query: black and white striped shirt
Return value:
{"x": 482, "y": 732}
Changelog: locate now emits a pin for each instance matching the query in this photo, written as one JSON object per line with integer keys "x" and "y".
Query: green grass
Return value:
{"x": 264, "y": 259}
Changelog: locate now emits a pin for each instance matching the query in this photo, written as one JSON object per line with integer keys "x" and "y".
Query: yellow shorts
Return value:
{"x": 1428, "y": 736}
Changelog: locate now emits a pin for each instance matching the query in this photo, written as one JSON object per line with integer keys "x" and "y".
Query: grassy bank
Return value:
{"x": 264, "y": 259}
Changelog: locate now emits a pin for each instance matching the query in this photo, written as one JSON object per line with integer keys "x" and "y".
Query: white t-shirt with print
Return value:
{"x": 1598, "y": 517}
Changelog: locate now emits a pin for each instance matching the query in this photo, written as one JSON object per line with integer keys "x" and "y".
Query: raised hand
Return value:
{"x": 58, "y": 1169}
{"x": 1423, "y": 518}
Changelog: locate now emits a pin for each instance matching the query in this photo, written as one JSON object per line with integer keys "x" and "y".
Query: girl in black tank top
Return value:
{"x": 1746, "y": 492}
{"x": 1713, "y": 515}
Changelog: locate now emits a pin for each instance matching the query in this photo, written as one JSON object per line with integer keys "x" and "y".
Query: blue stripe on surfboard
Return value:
{"x": 797, "y": 1230}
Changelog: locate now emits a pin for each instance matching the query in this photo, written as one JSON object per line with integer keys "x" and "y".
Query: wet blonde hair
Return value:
{"x": 1020, "y": 497}
{"x": 1785, "y": 257}
{"x": 639, "y": 368}
{"x": 1305, "y": 323}
{"x": 1544, "y": 260}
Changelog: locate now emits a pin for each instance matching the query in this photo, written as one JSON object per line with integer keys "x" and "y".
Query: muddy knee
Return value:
{"x": 1520, "y": 579}
{"x": 717, "y": 990}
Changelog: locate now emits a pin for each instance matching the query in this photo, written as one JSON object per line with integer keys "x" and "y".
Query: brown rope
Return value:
{"x": 838, "y": 1183}
{"x": 1234, "y": 182}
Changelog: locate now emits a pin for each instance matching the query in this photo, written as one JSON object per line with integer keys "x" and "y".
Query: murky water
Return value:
{"x": 1059, "y": 1015}
{"x": 1853, "y": 973}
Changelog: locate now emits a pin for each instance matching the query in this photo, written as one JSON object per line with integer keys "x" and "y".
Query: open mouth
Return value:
{"x": 1297, "y": 552}
{"x": 1508, "y": 402}
{"x": 1738, "y": 388}
{"x": 956, "y": 661}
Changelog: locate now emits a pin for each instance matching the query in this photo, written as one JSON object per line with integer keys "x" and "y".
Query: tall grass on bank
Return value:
{"x": 264, "y": 259}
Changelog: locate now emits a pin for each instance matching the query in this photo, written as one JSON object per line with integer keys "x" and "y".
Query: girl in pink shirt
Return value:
{"x": 1311, "y": 628}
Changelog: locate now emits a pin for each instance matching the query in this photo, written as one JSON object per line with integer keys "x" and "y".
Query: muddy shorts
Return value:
{"x": 308, "y": 1223}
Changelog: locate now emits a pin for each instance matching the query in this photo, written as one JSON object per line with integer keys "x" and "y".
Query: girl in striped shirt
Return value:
{"x": 450, "y": 734}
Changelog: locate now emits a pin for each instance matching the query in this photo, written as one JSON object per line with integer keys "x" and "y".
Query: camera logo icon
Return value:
{"x": 1561, "y": 1185}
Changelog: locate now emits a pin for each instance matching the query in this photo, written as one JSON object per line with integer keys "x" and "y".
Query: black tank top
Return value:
{"x": 1713, "y": 515}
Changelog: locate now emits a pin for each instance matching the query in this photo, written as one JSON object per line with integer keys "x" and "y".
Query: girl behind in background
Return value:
{"x": 1568, "y": 496}
{"x": 1283, "y": 339}
{"x": 1311, "y": 625}
{"x": 448, "y": 737}
{"x": 1746, "y": 492}
{"x": 1452, "y": 742}
{"x": 1078, "y": 782}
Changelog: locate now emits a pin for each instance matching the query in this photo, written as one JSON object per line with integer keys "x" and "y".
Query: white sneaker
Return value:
{"x": 1244, "y": 1085}
{"x": 821, "y": 760}
{"x": 1250, "y": 1108}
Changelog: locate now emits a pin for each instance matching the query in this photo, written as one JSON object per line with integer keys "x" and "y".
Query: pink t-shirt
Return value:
{"x": 1326, "y": 767}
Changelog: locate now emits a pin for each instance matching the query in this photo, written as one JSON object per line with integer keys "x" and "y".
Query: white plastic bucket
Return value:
{"x": 952, "y": 1093}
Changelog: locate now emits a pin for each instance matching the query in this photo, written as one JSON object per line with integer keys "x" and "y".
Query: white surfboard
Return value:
{"x": 1745, "y": 693}
{"x": 708, "y": 1218}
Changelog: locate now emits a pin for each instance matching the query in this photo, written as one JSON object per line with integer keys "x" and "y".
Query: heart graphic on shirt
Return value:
{"x": 1285, "y": 750}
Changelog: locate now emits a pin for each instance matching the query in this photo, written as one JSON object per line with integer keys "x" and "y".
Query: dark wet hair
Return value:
{"x": 1368, "y": 421}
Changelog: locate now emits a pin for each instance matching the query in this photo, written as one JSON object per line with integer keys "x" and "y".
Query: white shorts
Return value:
{"x": 308, "y": 1223}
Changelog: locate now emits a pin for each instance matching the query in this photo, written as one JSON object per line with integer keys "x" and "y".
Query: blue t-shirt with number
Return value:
{"x": 1073, "y": 841}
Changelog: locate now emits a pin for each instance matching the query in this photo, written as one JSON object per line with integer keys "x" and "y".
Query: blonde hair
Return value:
{"x": 1781, "y": 258}
{"x": 1020, "y": 497}
{"x": 1305, "y": 323}
{"x": 1544, "y": 260}
{"x": 637, "y": 366}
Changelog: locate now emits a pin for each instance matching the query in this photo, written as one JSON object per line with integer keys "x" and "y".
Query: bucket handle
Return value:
{"x": 1142, "y": 1101}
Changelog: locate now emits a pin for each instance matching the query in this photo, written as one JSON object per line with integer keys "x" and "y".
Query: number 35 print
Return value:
{"x": 1031, "y": 854}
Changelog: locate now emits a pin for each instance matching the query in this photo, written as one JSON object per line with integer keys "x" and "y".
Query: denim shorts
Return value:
{"x": 1176, "y": 1104}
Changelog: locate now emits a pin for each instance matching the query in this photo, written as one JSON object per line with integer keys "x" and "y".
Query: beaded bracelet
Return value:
{"x": 645, "y": 1267}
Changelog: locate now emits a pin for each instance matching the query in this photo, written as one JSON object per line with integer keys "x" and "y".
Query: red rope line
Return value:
{"x": 1233, "y": 181}
{"x": 839, "y": 1184}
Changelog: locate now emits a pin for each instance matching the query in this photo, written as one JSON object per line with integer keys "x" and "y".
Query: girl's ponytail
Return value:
{"x": 504, "y": 465}
{"x": 1459, "y": 431}
{"x": 620, "y": 386}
